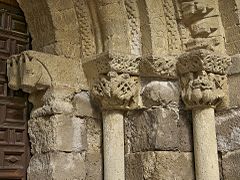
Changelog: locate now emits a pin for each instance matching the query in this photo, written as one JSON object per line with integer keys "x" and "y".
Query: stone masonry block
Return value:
{"x": 94, "y": 135}
{"x": 57, "y": 133}
{"x": 94, "y": 166}
{"x": 83, "y": 106}
{"x": 230, "y": 164}
{"x": 157, "y": 93}
{"x": 228, "y": 130}
{"x": 57, "y": 166}
{"x": 158, "y": 129}
{"x": 161, "y": 165}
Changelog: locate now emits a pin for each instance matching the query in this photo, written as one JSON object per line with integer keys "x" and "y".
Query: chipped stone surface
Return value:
{"x": 57, "y": 133}
{"x": 230, "y": 164}
{"x": 83, "y": 106}
{"x": 165, "y": 165}
{"x": 228, "y": 130}
{"x": 234, "y": 95}
{"x": 94, "y": 166}
{"x": 57, "y": 166}
{"x": 94, "y": 134}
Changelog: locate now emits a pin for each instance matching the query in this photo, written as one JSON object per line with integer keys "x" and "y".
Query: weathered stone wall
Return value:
{"x": 140, "y": 40}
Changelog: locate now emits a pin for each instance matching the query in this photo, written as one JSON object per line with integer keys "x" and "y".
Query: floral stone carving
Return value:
{"x": 203, "y": 79}
{"x": 114, "y": 81}
{"x": 117, "y": 91}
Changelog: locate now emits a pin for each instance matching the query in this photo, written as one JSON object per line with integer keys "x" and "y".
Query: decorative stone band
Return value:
{"x": 203, "y": 79}
{"x": 114, "y": 81}
{"x": 163, "y": 67}
{"x": 111, "y": 61}
{"x": 49, "y": 79}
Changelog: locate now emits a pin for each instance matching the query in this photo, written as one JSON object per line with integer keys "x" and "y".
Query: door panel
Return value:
{"x": 14, "y": 143}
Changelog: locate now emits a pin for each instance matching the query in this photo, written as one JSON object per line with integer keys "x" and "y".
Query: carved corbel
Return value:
{"x": 203, "y": 79}
{"x": 49, "y": 80}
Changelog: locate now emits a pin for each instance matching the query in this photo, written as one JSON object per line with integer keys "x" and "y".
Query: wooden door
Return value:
{"x": 14, "y": 143}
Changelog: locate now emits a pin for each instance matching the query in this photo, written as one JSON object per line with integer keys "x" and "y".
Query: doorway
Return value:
{"x": 14, "y": 142}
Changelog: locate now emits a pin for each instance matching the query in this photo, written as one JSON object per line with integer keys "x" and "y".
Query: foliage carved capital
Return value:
{"x": 117, "y": 91}
{"x": 203, "y": 79}
{"x": 114, "y": 81}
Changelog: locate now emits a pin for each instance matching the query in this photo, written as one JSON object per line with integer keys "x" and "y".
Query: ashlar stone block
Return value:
{"x": 230, "y": 164}
{"x": 165, "y": 165}
{"x": 158, "y": 128}
{"x": 57, "y": 166}
{"x": 57, "y": 133}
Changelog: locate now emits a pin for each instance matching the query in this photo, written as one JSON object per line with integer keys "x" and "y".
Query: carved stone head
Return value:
{"x": 203, "y": 79}
{"x": 26, "y": 73}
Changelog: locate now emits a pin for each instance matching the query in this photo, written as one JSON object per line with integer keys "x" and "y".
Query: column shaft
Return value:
{"x": 113, "y": 142}
{"x": 205, "y": 144}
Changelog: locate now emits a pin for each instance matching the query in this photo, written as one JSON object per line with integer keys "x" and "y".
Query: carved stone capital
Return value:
{"x": 163, "y": 67}
{"x": 203, "y": 79}
{"x": 48, "y": 78}
{"x": 117, "y": 91}
{"x": 113, "y": 78}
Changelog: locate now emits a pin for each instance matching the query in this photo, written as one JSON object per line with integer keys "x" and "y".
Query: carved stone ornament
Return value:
{"x": 117, "y": 91}
{"x": 49, "y": 79}
{"x": 32, "y": 71}
{"x": 203, "y": 26}
{"x": 114, "y": 81}
{"x": 163, "y": 67}
{"x": 111, "y": 61}
{"x": 203, "y": 79}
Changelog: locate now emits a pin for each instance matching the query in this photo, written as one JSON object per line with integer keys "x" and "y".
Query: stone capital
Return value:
{"x": 114, "y": 81}
{"x": 203, "y": 79}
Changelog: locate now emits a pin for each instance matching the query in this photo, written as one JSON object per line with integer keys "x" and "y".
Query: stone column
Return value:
{"x": 113, "y": 143}
{"x": 57, "y": 136}
{"x": 115, "y": 86}
{"x": 203, "y": 83}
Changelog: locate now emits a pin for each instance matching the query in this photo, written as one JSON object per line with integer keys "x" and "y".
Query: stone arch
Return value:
{"x": 53, "y": 26}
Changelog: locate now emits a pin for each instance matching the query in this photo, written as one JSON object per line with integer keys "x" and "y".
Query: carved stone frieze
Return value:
{"x": 111, "y": 61}
{"x": 117, "y": 91}
{"x": 163, "y": 67}
{"x": 203, "y": 79}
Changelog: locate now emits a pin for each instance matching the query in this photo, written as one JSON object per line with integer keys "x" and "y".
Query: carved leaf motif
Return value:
{"x": 116, "y": 90}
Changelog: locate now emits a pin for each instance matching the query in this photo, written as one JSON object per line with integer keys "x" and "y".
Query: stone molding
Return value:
{"x": 203, "y": 79}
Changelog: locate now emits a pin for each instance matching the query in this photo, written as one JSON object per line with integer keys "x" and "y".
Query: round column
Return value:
{"x": 205, "y": 144}
{"x": 113, "y": 143}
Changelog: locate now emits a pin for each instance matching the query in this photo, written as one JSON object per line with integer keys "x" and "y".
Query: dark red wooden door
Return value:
{"x": 14, "y": 143}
